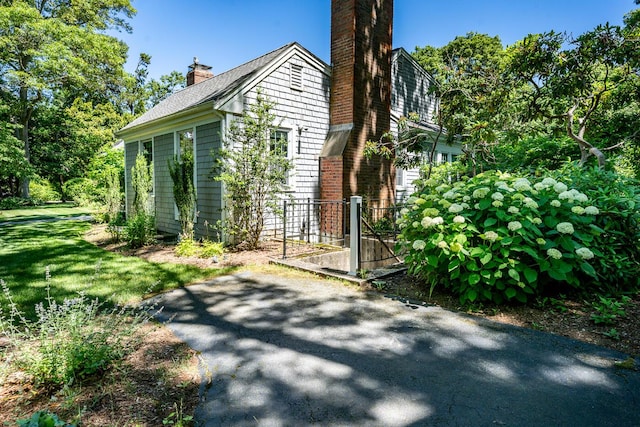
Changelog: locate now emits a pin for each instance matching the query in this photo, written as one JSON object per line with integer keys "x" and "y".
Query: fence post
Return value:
{"x": 355, "y": 235}
{"x": 284, "y": 230}
{"x": 308, "y": 220}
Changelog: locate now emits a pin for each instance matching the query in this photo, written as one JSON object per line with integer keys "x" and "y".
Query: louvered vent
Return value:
{"x": 296, "y": 77}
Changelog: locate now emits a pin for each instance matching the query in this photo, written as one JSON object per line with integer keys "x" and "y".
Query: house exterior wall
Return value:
{"x": 164, "y": 201}
{"x": 307, "y": 110}
{"x": 130, "y": 153}
{"x": 209, "y": 203}
{"x": 410, "y": 89}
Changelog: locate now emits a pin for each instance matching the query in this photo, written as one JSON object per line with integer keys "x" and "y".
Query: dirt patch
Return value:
{"x": 158, "y": 379}
{"x": 570, "y": 317}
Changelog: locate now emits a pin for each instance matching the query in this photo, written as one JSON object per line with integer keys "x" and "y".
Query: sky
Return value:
{"x": 228, "y": 33}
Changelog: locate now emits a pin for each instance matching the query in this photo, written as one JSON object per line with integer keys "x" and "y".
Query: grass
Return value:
{"x": 28, "y": 249}
{"x": 54, "y": 210}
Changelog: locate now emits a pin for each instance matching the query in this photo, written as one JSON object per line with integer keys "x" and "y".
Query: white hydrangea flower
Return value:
{"x": 514, "y": 225}
{"x": 481, "y": 192}
{"x": 404, "y": 211}
{"x": 419, "y": 245}
{"x": 491, "y": 236}
{"x": 443, "y": 245}
{"x": 578, "y": 210}
{"x": 459, "y": 219}
{"x": 591, "y": 210}
{"x": 584, "y": 253}
{"x": 536, "y": 221}
{"x": 556, "y": 203}
{"x": 560, "y": 187}
{"x": 513, "y": 210}
{"x": 455, "y": 208}
{"x": 431, "y": 212}
{"x": 548, "y": 182}
{"x": 438, "y": 220}
{"x": 497, "y": 196}
{"x": 581, "y": 197}
{"x": 465, "y": 205}
{"x": 522, "y": 184}
{"x": 496, "y": 203}
{"x": 449, "y": 194}
{"x": 411, "y": 200}
{"x": 427, "y": 222}
{"x": 476, "y": 206}
{"x": 415, "y": 224}
{"x": 419, "y": 201}
{"x": 442, "y": 188}
{"x": 565, "y": 228}
{"x": 466, "y": 199}
{"x": 554, "y": 253}
{"x": 539, "y": 186}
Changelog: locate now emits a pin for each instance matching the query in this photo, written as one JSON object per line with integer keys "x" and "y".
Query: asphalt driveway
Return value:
{"x": 281, "y": 351}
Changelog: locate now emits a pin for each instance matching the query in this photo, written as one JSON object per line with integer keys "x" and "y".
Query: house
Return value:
{"x": 326, "y": 114}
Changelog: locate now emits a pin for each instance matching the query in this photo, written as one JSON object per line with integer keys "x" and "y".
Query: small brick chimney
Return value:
{"x": 360, "y": 103}
{"x": 198, "y": 72}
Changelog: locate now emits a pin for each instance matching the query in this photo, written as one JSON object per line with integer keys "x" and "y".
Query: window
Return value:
{"x": 280, "y": 145}
{"x": 296, "y": 77}
{"x": 185, "y": 140}
{"x": 400, "y": 177}
{"x": 146, "y": 148}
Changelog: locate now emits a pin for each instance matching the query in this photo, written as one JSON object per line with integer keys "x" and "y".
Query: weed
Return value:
{"x": 177, "y": 418}
{"x": 613, "y": 334}
{"x": 380, "y": 285}
{"x": 43, "y": 419}
{"x": 608, "y": 310}
{"x": 71, "y": 341}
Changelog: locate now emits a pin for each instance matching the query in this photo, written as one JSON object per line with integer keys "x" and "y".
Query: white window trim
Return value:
{"x": 176, "y": 152}
{"x": 292, "y": 141}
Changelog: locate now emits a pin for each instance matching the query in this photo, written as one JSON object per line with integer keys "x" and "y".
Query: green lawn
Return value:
{"x": 43, "y": 212}
{"x": 26, "y": 250}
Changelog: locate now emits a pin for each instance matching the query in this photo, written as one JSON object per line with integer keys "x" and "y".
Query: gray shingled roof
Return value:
{"x": 209, "y": 90}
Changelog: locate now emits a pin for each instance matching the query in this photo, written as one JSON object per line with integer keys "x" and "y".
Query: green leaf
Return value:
{"x": 432, "y": 260}
{"x": 474, "y": 278}
{"x": 557, "y": 275}
{"x": 506, "y": 241}
{"x": 510, "y": 293}
{"x": 588, "y": 268}
{"x": 489, "y": 222}
{"x": 472, "y": 295}
{"x": 453, "y": 264}
{"x": 530, "y": 274}
{"x": 484, "y": 204}
{"x": 486, "y": 258}
{"x": 513, "y": 273}
{"x": 475, "y": 252}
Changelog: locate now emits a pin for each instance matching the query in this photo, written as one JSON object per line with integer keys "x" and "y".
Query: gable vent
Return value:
{"x": 296, "y": 77}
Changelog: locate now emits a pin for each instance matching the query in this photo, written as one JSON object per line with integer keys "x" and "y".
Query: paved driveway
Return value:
{"x": 283, "y": 351}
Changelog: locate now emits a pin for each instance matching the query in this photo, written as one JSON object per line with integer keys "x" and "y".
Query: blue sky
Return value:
{"x": 227, "y": 33}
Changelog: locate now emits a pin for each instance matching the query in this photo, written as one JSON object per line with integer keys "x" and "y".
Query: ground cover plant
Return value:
{"x": 67, "y": 332}
{"x": 498, "y": 237}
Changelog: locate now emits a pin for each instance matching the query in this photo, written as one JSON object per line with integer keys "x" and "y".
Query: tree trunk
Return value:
{"x": 586, "y": 149}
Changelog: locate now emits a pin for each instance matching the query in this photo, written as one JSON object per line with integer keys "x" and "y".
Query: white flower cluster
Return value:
{"x": 565, "y": 228}
{"x": 419, "y": 245}
{"x": 585, "y": 253}
{"x": 554, "y": 253}
{"x": 514, "y": 225}
{"x": 427, "y": 221}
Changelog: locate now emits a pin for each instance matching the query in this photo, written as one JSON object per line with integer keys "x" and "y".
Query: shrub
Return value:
{"x": 83, "y": 191}
{"x": 41, "y": 189}
{"x": 71, "y": 341}
{"x": 208, "y": 249}
{"x": 16, "y": 203}
{"x": 617, "y": 247}
{"x": 497, "y": 237}
{"x": 140, "y": 230}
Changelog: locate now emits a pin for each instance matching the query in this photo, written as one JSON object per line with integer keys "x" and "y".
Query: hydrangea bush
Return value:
{"x": 498, "y": 237}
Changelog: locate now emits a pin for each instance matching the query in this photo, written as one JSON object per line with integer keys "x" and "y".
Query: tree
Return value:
{"x": 158, "y": 90}
{"x": 571, "y": 84}
{"x": 184, "y": 192}
{"x": 253, "y": 168}
{"x": 49, "y": 45}
{"x": 469, "y": 84}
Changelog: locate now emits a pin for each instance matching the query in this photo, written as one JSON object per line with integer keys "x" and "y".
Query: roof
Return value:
{"x": 208, "y": 90}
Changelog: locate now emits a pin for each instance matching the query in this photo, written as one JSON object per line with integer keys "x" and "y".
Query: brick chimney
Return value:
{"x": 360, "y": 103}
{"x": 198, "y": 72}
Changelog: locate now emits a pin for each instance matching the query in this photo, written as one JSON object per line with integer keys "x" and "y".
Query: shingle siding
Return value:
{"x": 165, "y": 205}
{"x": 309, "y": 109}
{"x": 410, "y": 88}
{"x": 130, "y": 153}
{"x": 209, "y": 191}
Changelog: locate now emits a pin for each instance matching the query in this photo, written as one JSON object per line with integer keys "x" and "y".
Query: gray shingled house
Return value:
{"x": 196, "y": 117}
{"x": 325, "y": 126}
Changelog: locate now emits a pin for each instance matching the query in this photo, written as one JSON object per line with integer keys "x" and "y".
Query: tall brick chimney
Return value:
{"x": 360, "y": 104}
{"x": 198, "y": 72}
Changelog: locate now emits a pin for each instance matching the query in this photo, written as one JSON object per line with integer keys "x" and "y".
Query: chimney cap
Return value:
{"x": 198, "y": 66}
